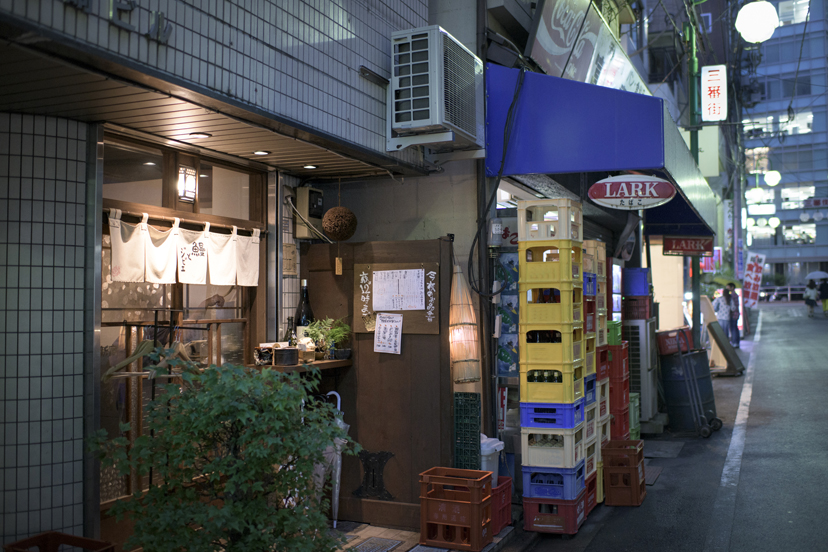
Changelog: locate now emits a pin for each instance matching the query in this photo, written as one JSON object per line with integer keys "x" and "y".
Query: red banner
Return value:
{"x": 688, "y": 245}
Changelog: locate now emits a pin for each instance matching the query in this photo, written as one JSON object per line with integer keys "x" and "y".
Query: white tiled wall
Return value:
{"x": 42, "y": 216}
{"x": 298, "y": 59}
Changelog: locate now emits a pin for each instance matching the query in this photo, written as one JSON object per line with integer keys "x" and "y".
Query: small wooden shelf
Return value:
{"x": 321, "y": 364}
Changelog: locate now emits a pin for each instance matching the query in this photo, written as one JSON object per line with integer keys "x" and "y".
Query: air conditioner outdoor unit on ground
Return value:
{"x": 643, "y": 363}
{"x": 436, "y": 92}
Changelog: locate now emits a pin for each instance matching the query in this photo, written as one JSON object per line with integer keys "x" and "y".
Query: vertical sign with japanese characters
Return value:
{"x": 410, "y": 288}
{"x": 431, "y": 295}
{"x": 753, "y": 279}
{"x": 714, "y": 93}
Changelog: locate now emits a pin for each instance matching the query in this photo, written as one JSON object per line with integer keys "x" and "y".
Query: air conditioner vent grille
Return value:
{"x": 412, "y": 96}
{"x": 459, "y": 86}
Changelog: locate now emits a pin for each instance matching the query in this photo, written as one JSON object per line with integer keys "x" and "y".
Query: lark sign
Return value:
{"x": 632, "y": 192}
{"x": 688, "y": 245}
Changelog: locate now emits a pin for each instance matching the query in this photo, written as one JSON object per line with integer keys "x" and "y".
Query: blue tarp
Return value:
{"x": 562, "y": 126}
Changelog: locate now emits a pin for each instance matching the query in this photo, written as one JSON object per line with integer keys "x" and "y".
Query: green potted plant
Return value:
{"x": 232, "y": 453}
{"x": 338, "y": 338}
{"x": 329, "y": 334}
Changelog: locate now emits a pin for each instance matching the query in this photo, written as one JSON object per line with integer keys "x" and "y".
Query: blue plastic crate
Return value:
{"x": 549, "y": 482}
{"x": 636, "y": 281}
{"x": 552, "y": 415}
{"x": 590, "y": 389}
{"x": 590, "y": 284}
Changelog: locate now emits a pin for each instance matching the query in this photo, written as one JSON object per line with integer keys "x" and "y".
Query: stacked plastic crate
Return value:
{"x": 619, "y": 391}
{"x": 552, "y": 365}
{"x": 592, "y": 444}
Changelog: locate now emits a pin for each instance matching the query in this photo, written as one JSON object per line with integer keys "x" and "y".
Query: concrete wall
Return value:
{"x": 42, "y": 275}
{"x": 296, "y": 59}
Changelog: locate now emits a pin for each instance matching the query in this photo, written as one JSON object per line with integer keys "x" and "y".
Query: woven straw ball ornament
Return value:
{"x": 339, "y": 223}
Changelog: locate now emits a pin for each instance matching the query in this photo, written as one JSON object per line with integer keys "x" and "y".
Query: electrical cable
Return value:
{"x": 507, "y": 134}
{"x": 310, "y": 226}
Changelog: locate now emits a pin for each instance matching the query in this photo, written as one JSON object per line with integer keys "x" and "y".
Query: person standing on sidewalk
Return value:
{"x": 823, "y": 294}
{"x": 735, "y": 336}
{"x": 725, "y": 305}
{"x": 811, "y": 295}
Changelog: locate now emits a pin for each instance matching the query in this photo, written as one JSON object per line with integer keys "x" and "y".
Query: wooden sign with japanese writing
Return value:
{"x": 410, "y": 289}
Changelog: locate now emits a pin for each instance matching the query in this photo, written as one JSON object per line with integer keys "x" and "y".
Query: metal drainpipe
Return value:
{"x": 693, "y": 70}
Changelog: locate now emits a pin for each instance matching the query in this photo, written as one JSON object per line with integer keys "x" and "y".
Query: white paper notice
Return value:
{"x": 397, "y": 290}
{"x": 388, "y": 334}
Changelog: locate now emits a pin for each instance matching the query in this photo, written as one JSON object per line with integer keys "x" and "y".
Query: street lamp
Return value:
{"x": 756, "y": 21}
{"x": 774, "y": 222}
{"x": 772, "y": 178}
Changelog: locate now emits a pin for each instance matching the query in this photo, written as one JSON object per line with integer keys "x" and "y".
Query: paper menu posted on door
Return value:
{"x": 388, "y": 333}
{"x": 397, "y": 290}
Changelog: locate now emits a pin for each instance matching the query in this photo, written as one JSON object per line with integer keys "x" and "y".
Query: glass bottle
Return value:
{"x": 304, "y": 315}
{"x": 289, "y": 329}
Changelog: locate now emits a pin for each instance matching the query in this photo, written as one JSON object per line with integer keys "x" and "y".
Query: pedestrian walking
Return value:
{"x": 811, "y": 295}
{"x": 823, "y": 295}
{"x": 725, "y": 305}
{"x": 735, "y": 336}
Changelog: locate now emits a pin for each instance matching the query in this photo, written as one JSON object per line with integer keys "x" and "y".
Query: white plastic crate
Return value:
{"x": 604, "y": 427}
{"x": 602, "y": 398}
{"x": 598, "y": 250}
{"x": 592, "y": 454}
{"x": 591, "y": 419}
{"x": 550, "y": 219}
{"x": 561, "y": 448}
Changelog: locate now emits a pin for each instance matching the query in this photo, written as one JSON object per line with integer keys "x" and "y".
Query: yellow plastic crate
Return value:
{"x": 553, "y": 447}
{"x": 598, "y": 250}
{"x": 592, "y": 449}
{"x": 551, "y": 383}
{"x": 591, "y": 419}
{"x": 548, "y": 261}
{"x": 589, "y": 356}
{"x": 554, "y": 343}
{"x": 537, "y": 303}
{"x": 599, "y": 494}
{"x": 602, "y": 330}
{"x": 550, "y": 219}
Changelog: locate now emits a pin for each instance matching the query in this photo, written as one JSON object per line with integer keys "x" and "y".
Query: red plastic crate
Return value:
{"x": 625, "y": 486}
{"x": 619, "y": 394}
{"x": 669, "y": 340}
{"x": 602, "y": 362}
{"x": 623, "y": 454}
{"x": 591, "y": 492}
{"x": 637, "y": 307}
{"x": 620, "y": 423}
{"x": 554, "y": 516}
{"x": 590, "y": 316}
{"x": 619, "y": 364}
{"x": 501, "y": 504}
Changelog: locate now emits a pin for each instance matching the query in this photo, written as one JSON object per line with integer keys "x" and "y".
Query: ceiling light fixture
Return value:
{"x": 200, "y": 135}
{"x": 309, "y": 167}
{"x": 204, "y": 176}
{"x": 149, "y": 164}
{"x": 261, "y": 152}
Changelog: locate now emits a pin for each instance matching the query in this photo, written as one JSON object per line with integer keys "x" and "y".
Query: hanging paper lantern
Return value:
{"x": 463, "y": 343}
{"x": 339, "y": 223}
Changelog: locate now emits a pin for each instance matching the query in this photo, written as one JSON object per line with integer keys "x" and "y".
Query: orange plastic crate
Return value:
{"x": 624, "y": 486}
{"x": 456, "y": 508}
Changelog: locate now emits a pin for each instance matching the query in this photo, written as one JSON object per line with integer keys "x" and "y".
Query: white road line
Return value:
{"x": 721, "y": 521}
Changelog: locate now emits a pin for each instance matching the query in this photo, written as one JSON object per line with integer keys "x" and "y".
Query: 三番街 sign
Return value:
{"x": 632, "y": 191}
{"x": 688, "y": 245}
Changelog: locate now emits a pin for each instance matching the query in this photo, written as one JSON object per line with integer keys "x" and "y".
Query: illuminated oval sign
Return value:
{"x": 632, "y": 191}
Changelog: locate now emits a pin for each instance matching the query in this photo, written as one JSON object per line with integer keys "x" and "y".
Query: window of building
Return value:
{"x": 792, "y": 12}
{"x": 756, "y": 160}
{"x": 794, "y": 197}
{"x": 798, "y": 234}
{"x": 223, "y": 191}
{"x": 706, "y": 22}
{"x": 133, "y": 173}
{"x": 758, "y": 196}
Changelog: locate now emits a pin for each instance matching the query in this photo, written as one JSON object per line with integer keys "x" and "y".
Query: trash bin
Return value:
{"x": 675, "y": 390}
{"x": 489, "y": 453}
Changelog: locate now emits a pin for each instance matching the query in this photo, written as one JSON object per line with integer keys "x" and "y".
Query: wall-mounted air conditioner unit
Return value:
{"x": 436, "y": 92}
{"x": 643, "y": 361}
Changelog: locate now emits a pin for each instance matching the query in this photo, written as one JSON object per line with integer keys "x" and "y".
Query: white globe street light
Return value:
{"x": 772, "y": 178}
{"x": 774, "y": 222}
{"x": 804, "y": 217}
{"x": 762, "y": 222}
{"x": 756, "y": 21}
{"x": 818, "y": 216}
{"x": 751, "y": 222}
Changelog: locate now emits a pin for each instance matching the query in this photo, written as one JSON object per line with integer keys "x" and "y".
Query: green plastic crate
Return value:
{"x": 635, "y": 433}
{"x": 635, "y": 410}
{"x": 467, "y": 431}
{"x": 614, "y": 332}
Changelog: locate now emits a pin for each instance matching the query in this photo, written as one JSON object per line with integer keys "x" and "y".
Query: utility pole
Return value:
{"x": 693, "y": 70}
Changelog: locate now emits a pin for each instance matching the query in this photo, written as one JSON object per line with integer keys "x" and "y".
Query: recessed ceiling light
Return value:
{"x": 149, "y": 163}
{"x": 261, "y": 152}
{"x": 540, "y": 196}
{"x": 309, "y": 167}
{"x": 204, "y": 176}
{"x": 200, "y": 135}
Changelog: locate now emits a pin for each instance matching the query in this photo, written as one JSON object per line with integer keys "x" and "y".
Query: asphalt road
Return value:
{"x": 758, "y": 484}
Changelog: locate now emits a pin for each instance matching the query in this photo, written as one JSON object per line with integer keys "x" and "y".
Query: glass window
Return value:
{"x": 133, "y": 173}
{"x": 771, "y": 53}
{"x": 224, "y": 192}
{"x": 797, "y": 193}
{"x": 756, "y": 160}
{"x": 798, "y": 234}
{"x": 792, "y": 12}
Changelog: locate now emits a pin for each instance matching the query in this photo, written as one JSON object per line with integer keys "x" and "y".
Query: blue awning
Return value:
{"x": 563, "y": 126}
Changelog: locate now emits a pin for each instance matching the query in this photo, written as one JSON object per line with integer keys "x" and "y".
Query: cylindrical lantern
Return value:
{"x": 463, "y": 341}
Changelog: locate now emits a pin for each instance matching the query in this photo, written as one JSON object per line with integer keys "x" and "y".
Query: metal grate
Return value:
{"x": 632, "y": 334}
{"x": 459, "y": 86}
{"x": 467, "y": 431}
{"x": 376, "y": 544}
{"x": 412, "y": 66}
